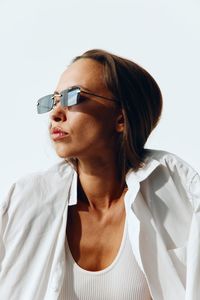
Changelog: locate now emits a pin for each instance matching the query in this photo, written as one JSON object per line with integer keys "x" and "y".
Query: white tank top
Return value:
{"x": 122, "y": 280}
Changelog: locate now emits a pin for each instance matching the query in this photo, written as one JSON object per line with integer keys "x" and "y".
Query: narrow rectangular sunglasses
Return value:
{"x": 68, "y": 97}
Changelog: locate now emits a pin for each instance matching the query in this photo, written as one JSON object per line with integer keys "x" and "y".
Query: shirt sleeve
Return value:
{"x": 193, "y": 247}
{"x": 4, "y": 206}
{"x": 194, "y": 190}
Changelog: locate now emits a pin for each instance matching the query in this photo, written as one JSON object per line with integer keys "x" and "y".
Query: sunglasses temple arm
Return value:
{"x": 98, "y": 96}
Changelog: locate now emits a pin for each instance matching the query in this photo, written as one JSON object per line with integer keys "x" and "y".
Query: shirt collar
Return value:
{"x": 73, "y": 190}
{"x": 150, "y": 165}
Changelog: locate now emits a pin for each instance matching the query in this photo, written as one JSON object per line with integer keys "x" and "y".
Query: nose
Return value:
{"x": 58, "y": 112}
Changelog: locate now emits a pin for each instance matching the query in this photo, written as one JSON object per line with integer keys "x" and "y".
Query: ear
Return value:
{"x": 120, "y": 122}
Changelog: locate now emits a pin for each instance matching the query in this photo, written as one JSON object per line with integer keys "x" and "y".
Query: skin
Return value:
{"x": 95, "y": 225}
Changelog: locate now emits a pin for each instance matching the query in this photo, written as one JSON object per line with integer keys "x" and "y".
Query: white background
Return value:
{"x": 40, "y": 37}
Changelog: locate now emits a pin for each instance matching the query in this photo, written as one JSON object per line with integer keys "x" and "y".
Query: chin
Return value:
{"x": 61, "y": 150}
{"x": 63, "y": 153}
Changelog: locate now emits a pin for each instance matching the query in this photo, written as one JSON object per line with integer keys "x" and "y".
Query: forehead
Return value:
{"x": 86, "y": 73}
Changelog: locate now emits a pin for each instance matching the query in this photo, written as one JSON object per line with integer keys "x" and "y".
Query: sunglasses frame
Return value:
{"x": 64, "y": 100}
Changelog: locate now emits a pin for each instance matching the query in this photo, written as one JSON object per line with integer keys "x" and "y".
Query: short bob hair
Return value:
{"x": 141, "y": 101}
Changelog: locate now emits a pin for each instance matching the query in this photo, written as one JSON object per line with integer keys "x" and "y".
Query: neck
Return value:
{"x": 99, "y": 184}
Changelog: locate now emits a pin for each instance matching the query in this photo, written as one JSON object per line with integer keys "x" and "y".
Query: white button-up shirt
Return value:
{"x": 163, "y": 217}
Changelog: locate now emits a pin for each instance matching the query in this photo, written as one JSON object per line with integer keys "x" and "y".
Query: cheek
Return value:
{"x": 84, "y": 128}
{"x": 87, "y": 126}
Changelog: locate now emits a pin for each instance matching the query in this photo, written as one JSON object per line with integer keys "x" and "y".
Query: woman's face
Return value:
{"x": 92, "y": 125}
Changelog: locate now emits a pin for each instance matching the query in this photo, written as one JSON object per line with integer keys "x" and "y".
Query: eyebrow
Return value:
{"x": 71, "y": 87}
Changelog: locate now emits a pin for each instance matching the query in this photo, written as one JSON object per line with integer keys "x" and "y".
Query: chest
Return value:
{"x": 94, "y": 242}
{"x": 122, "y": 279}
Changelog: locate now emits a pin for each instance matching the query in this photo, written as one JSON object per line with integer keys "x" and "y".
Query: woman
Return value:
{"x": 112, "y": 220}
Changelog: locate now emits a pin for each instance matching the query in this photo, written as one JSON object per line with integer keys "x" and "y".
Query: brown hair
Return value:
{"x": 141, "y": 101}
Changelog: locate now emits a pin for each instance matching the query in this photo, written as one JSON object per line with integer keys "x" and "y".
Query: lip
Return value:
{"x": 58, "y": 136}
{"x": 57, "y": 130}
{"x": 57, "y": 133}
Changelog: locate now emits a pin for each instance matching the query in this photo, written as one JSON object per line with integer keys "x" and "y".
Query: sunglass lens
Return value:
{"x": 70, "y": 97}
{"x": 44, "y": 104}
